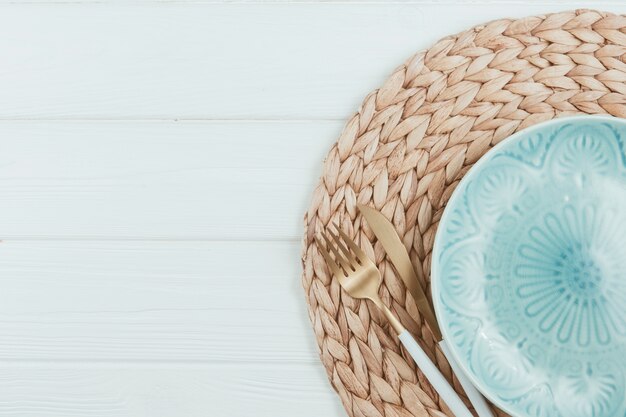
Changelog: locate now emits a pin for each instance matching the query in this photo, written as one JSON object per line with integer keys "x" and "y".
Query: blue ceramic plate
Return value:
{"x": 529, "y": 270}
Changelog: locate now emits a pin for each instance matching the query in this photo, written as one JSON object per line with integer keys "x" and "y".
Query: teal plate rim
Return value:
{"x": 457, "y": 194}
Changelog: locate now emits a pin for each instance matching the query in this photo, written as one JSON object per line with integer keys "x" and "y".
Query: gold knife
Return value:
{"x": 397, "y": 253}
{"x": 388, "y": 237}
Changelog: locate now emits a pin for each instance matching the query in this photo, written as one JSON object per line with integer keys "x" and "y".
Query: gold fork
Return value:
{"x": 360, "y": 278}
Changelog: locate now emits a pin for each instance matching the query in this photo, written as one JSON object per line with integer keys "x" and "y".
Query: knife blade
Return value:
{"x": 396, "y": 251}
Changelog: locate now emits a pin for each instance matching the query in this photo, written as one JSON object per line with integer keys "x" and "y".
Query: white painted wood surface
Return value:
{"x": 217, "y": 61}
{"x": 216, "y": 180}
{"x": 156, "y": 158}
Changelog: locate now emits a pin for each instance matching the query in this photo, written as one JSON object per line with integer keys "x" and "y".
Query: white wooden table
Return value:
{"x": 156, "y": 158}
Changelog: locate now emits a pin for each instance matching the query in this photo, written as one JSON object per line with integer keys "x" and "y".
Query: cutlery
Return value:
{"x": 360, "y": 278}
{"x": 397, "y": 253}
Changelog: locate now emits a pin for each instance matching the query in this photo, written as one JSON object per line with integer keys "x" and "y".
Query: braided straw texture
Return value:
{"x": 405, "y": 151}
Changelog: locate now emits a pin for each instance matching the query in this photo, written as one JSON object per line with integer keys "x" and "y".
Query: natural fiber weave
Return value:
{"x": 405, "y": 151}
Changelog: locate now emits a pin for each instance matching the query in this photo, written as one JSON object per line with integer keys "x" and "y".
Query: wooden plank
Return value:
{"x": 158, "y": 179}
{"x": 218, "y": 61}
{"x": 165, "y": 391}
{"x": 147, "y": 302}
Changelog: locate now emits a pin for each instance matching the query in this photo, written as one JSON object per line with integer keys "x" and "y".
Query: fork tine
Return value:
{"x": 355, "y": 248}
{"x": 337, "y": 272}
{"x": 354, "y": 263}
{"x": 338, "y": 257}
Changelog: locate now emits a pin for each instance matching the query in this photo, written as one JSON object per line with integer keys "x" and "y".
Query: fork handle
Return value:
{"x": 476, "y": 398}
{"x": 436, "y": 379}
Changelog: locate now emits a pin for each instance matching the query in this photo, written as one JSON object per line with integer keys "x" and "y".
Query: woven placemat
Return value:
{"x": 405, "y": 151}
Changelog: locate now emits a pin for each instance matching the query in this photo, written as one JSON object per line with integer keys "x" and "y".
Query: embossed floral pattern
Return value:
{"x": 590, "y": 389}
{"x": 569, "y": 273}
{"x": 529, "y": 271}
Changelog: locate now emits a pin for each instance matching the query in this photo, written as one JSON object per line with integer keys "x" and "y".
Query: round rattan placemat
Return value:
{"x": 405, "y": 151}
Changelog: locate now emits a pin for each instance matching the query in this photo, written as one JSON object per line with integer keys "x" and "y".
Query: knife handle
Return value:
{"x": 477, "y": 399}
{"x": 436, "y": 379}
